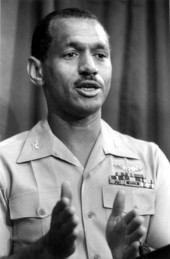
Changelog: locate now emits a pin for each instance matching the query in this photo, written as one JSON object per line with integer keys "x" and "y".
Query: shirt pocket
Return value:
{"x": 30, "y": 214}
{"x": 140, "y": 198}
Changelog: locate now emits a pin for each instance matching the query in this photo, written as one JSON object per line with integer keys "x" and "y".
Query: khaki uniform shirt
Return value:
{"x": 34, "y": 164}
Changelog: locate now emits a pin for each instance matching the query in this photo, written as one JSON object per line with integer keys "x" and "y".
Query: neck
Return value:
{"x": 78, "y": 135}
{"x": 65, "y": 130}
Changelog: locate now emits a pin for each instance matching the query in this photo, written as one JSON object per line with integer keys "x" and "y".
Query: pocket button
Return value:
{"x": 91, "y": 215}
{"x": 41, "y": 212}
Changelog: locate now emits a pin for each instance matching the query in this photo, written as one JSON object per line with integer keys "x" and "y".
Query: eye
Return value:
{"x": 101, "y": 56}
{"x": 70, "y": 55}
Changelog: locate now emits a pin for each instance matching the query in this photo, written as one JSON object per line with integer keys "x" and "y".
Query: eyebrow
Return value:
{"x": 79, "y": 45}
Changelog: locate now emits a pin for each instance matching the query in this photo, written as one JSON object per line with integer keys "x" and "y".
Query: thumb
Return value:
{"x": 119, "y": 204}
{"x": 66, "y": 191}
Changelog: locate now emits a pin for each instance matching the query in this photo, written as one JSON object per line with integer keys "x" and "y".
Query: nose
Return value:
{"x": 87, "y": 65}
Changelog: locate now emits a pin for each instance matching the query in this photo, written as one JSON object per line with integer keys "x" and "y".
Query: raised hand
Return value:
{"x": 123, "y": 233}
{"x": 61, "y": 238}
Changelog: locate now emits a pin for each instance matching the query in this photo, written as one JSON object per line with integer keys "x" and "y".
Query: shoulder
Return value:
{"x": 11, "y": 148}
{"x": 9, "y": 153}
{"x": 154, "y": 162}
{"x": 128, "y": 143}
{"x": 13, "y": 145}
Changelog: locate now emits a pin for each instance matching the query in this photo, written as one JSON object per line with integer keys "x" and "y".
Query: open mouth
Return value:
{"x": 88, "y": 88}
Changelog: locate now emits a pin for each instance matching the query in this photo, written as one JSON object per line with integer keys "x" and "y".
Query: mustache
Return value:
{"x": 85, "y": 78}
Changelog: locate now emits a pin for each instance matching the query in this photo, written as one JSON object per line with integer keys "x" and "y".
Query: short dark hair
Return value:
{"x": 41, "y": 37}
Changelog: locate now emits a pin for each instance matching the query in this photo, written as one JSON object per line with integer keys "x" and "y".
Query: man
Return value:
{"x": 60, "y": 180}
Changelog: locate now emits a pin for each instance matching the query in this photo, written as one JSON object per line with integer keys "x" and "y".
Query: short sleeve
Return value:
{"x": 5, "y": 226}
{"x": 159, "y": 228}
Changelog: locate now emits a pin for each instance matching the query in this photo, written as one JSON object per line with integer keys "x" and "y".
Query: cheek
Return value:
{"x": 107, "y": 79}
{"x": 107, "y": 82}
{"x": 53, "y": 73}
{"x": 56, "y": 80}
{"x": 64, "y": 76}
{"x": 106, "y": 73}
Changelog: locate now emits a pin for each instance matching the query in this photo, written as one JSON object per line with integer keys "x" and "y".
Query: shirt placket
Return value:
{"x": 94, "y": 216}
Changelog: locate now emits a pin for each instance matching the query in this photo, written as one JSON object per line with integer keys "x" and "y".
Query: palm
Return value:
{"x": 123, "y": 233}
{"x": 116, "y": 236}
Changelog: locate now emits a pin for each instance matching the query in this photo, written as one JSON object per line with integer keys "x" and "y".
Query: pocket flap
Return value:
{"x": 143, "y": 199}
{"x": 34, "y": 204}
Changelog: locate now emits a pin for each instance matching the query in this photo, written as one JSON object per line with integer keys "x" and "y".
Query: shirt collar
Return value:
{"x": 115, "y": 143}
{"x": 41, "y": 142}
{"x": 38, "y": 144}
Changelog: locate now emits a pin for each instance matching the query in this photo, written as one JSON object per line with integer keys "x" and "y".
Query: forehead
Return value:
{"x": 83, "y": 30}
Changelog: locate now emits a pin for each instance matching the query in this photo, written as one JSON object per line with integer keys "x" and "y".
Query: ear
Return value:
{"x": 35, "y": 71}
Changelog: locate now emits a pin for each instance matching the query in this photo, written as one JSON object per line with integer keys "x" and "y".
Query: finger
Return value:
{"x": 69, "y": 227}
{"x": 59, "y": 217}
{"x": 70, "y": 249}
{"x": 119, "y": 204}
{"x": 66, "y": 191}
{"x": 132, "y": 251}
{"x": 70, "y": 240}
{"x": 70, "y": 244}
{"x": 61, "y": 205}
{"x": 134, "y": 224}
{"x": 130, "y": 216}
{"x": 67, "y": 215}
{"x": 136, "y": 235}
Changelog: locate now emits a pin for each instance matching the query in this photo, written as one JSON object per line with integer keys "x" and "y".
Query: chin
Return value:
{"x": 85, "y": 108}
{"x": 87, "y": 111}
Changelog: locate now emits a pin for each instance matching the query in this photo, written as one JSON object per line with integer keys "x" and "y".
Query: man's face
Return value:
{"x": 77, "y": 70}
